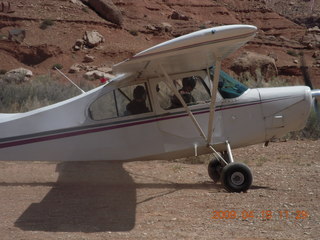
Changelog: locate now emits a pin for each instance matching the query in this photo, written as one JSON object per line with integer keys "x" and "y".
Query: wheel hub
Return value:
{"x": 237, "y": 178}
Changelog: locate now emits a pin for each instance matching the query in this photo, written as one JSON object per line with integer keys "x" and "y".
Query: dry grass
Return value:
{"x": 41, "y": 91}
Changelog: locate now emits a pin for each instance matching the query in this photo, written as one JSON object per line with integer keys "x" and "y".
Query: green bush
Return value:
{"x": 133, "y": 32}
{"x": 57, "y": 65}
{"x": 46, "y": 23}
{"x": 292, "y": 53}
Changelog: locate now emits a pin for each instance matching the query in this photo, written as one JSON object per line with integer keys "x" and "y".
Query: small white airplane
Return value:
{"x": 169, "y": 101}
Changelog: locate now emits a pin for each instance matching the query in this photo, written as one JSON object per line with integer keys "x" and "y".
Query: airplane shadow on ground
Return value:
{"x": 93, "y": 197}
{"x": 87, "y": 197}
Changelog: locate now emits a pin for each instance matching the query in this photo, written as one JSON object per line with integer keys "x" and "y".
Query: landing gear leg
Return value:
{"x": 235, "y": 177}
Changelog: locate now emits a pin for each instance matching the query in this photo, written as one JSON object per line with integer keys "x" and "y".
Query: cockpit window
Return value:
{"x": 193, "y": 90}
{"x": 228, "y": 87}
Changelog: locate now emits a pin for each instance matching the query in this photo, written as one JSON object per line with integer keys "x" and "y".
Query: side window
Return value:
{"x": 192, "y": 89}
{"x": 104, "y": 107}
{"x": 121, "y": 102}
{"x": 133, "y": 100}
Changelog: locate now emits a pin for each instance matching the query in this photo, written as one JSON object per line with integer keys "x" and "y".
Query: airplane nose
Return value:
{"x": 285, "y": 109}
{"x": 315, "y": 93}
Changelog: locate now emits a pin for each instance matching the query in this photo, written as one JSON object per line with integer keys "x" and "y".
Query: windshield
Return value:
{"x": 228, "y": 87}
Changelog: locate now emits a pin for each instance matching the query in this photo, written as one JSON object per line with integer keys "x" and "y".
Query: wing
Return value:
{"x": 195, "y": 51}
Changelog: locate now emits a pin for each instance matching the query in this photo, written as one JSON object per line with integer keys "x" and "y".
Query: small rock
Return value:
{"x": 93, "y": 38}
{"x": 151, "y": 27}
{"x": 75, "y": 68}
{"x": 105, "y": 69}
{"x": 316, "y": 55}
{"x": 167, "y": 26}
{"x": 17, "y": 35}
{"x": 78, "y": 44}
{"x": 177, "y": 16}
{"x": 88, "y": 59}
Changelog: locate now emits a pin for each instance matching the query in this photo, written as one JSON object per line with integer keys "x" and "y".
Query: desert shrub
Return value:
{"x": 133, "y": 32}
{"x": 36, "y": 93}
{"x": 311, "y": 130}
{"x": 46, "y": 23}
{"x": 58, "y": 66}
{"x": 292, "y": 53}
{"x": 85, "y": 9}
{"x": 13, "y": 78}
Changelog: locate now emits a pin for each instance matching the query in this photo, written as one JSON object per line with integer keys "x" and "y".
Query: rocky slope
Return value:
{"x": 53, "y": 27}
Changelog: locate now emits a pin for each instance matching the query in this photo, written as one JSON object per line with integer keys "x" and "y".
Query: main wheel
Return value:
{"x": 236, "y": 177}
{"x": 214, "y": 170}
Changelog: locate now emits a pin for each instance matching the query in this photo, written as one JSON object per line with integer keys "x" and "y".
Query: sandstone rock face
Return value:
{"x": 257, "y": 65}
{"x": 107, "y": 10}
{"x": 312, "y": 38}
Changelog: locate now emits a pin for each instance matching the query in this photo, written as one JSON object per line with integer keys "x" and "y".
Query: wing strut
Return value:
{"x": 170, "y": 84}
{"x": 214, "y": 90}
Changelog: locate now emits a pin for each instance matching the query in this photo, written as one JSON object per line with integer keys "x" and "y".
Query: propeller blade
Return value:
{"x": 305, "y": 72}
{"x": 307, "y": 81}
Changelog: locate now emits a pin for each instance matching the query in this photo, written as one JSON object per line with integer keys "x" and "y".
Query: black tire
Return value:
{"x": 214, "y": 170}
{"x": 236, "y": 177}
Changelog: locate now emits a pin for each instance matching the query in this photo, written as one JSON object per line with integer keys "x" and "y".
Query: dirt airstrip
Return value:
{"x": 163, "y": 199}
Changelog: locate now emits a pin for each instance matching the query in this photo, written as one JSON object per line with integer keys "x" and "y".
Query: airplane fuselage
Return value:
{"x": 66, "y": 131}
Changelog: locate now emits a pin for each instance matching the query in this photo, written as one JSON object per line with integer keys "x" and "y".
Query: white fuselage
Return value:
{"x": 65, "y": 131}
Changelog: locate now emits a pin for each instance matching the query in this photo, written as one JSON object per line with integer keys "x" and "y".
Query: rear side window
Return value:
{"x": 130, "y": 100}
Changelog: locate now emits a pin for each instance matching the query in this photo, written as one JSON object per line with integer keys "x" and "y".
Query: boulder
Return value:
{"x": 107, "y": 10}
{"x": 167, "y": 27}
{"x": 75, "y": 68}
{"x": 95, "y": 74}
{"x": 77, "y": 2}
{"x": 311, "y": 40}
{"x": 93, "y": 38}
{"x": 17, "y": 35}
{"x": 178, "y": 16}
{"x": 257, "y": 65}
{"x": 105, "y": 69}
{"x": 17, "y": 75}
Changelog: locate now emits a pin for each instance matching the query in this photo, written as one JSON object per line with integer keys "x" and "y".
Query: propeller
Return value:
{"x": 307, "y": 80}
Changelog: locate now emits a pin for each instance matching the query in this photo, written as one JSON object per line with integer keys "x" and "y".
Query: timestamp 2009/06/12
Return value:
{"x": 262, "y": 214}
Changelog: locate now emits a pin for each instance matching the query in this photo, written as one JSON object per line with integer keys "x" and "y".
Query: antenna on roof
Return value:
{"x": 69, "y": 79}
